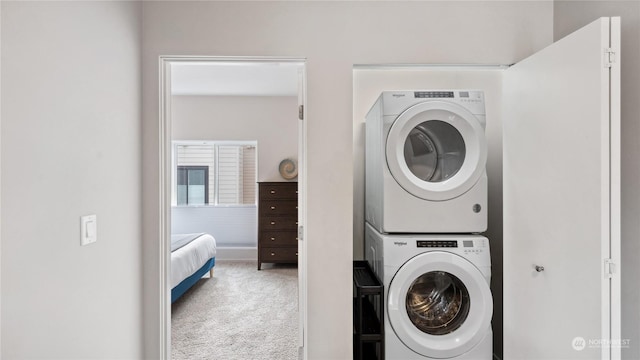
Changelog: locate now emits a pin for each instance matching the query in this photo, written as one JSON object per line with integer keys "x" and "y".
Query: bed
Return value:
{"x": 192, "y": 256}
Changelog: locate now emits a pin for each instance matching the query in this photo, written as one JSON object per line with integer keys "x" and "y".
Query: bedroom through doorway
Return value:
{"x": 234, "y": 207}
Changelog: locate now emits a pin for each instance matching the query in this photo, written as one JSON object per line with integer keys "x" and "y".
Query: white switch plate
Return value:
{"x": 88, "y": 229}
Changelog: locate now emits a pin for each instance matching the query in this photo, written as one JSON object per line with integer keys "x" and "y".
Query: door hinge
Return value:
{"x": 300, "y": 233}
{"x": 609, "y": 57}
{"x": 301, "y": 112}
{"x": 609, "y": 268}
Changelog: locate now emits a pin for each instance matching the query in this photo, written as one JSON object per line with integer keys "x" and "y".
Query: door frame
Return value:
{"x": 164, "y": 196}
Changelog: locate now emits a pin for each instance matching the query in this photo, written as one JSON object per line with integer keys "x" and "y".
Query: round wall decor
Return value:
{"x": 288, "y": 169}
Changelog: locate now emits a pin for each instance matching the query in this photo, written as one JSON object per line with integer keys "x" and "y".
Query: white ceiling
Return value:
{"x": 242, "y": 78}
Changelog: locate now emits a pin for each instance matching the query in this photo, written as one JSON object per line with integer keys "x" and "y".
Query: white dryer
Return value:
{"x": 438, "y": 302}
{"x": 426, "y": 155}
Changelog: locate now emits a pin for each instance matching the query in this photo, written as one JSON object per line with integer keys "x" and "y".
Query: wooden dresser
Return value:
{"x": 277, "y": 222}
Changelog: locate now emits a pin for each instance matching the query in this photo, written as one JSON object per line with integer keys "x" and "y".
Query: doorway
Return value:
{"x": 255, "y": 77}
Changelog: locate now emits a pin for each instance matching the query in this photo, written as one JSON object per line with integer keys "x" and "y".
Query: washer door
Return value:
{"x": 439, "y": 305}
{"x": 436, "y": 150}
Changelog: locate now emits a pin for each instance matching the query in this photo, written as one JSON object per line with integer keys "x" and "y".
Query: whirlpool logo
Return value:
{"x": 400, "y": 243}
{"x": 398, "y": 95}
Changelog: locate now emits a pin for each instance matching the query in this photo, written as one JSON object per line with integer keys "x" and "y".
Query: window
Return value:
{"x": 193, "y": 185}
{"x": 215, "y": 173}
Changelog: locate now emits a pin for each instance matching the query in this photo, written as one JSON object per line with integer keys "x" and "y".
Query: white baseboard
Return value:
{"x": 237, "y": 253}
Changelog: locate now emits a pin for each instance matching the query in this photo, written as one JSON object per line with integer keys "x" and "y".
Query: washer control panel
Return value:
{"x": 475, "y": 246}
{"x": 437, "y": 244}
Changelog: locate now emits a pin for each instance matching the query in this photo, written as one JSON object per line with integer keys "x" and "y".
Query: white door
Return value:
{"x": 561, "y": 199}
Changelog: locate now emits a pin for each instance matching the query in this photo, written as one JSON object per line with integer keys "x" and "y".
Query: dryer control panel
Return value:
{"x": 434, "y": 94}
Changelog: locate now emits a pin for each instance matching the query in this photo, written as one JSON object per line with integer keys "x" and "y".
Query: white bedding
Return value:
{"x": 189, "y": 258}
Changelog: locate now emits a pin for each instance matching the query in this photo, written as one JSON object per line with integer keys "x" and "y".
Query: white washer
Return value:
{"x": 438, "y": 304}
{"x": 426, "y": 155}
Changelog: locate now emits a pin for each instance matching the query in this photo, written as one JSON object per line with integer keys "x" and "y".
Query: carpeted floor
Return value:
{"x": 241, "y": 313}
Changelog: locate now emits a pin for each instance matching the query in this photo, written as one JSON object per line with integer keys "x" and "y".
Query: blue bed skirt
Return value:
{"x": 187, "y": 283}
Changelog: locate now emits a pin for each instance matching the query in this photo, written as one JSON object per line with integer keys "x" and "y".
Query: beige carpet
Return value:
{"x": 241, "y": 313}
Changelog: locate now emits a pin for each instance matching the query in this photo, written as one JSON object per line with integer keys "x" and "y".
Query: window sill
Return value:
{"x": 215, "y": 206}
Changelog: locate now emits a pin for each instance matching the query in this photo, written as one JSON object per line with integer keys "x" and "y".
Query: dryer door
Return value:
{"x": 436, "y": 150}
{"x": 439, "y": 305}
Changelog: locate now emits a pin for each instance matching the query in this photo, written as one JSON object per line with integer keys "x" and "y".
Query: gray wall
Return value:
{"x": 71, "y": 147}
{"x": 333, "y": 36}
{"x": 568, "y": 17}
{"x": 71, "y": 80}
{"x": 270, "y": 120}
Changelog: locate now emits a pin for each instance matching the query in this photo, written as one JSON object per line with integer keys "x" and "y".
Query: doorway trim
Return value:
{"x": 164, "y": 195}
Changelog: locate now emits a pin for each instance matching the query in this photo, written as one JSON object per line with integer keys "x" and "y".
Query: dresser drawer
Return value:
{"x": 283, "y": 254}
{"x": 278, "y": 207}
{"x": 267, "y": 223}
{"x": 271, "y": 191}
{"x": 278, "y": 238}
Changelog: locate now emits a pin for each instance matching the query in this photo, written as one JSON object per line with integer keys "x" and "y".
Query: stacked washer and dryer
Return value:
{"x": 426, "y": 203}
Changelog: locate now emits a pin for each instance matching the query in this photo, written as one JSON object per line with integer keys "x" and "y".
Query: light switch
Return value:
{"x": 88, "y": 229}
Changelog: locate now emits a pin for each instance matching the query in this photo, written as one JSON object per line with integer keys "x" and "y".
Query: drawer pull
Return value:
{"x": 273, "y": 239}
{"x": 296, "y": 253}
{"x": 296, "y": 223}
{"x": 296, "y": 238}
{"x": 272, "y": 191}
{"x": 273, "y": 254}
{"x": 273, "y": 223}
{"x": 273, "y": 208}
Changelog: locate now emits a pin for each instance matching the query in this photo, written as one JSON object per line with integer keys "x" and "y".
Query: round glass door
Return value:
{"x": 437, "y": 303}
{"x": 436, "y": 150}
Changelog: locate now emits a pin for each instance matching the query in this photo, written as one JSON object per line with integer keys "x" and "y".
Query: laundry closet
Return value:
{"x": 552, "y": 206}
